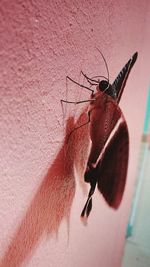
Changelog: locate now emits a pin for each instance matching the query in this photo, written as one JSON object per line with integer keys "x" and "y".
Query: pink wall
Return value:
{"x": 40, "y": 197}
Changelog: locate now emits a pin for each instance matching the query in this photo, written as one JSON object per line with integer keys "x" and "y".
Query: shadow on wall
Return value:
{"x": 54, "y": 197}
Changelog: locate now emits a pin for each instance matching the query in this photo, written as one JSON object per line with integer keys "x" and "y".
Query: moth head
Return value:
{"x": 105, "y": 86}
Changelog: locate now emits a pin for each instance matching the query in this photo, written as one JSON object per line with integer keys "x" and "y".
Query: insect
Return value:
{"x": 108, "y": 158}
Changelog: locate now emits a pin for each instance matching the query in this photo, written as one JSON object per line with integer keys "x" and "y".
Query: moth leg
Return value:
{"x": 93, "y": 80}
{"x": 89, "y": 80}
{"x": 76, "y": 102}
{"x": 76, "y": 128}
{"x": 81, "y": 85}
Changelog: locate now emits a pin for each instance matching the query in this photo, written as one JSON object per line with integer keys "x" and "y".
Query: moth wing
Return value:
{"x": 120, "y": 82}
{"x": 112, "y": 169}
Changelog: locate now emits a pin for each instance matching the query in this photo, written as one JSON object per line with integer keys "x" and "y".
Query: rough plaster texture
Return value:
{"x": 40, "y": 43}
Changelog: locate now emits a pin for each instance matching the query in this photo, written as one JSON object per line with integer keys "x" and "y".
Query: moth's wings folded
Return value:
{"x": 111, "y": 171}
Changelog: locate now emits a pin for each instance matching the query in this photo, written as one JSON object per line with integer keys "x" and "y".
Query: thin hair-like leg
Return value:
{"x": 81, "y": 85}
{"x": 76, "y": 102}
{"x": 89, "y": 80}
{"x": 76, "y": 128}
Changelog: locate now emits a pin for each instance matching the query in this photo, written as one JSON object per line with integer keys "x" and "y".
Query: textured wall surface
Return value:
{"x": 40, "y": 197}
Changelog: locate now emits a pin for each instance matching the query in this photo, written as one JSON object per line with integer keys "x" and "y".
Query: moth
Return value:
{"x": 108, "y": 158}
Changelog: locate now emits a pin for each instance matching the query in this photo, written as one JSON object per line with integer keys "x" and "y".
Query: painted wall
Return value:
{"x": 41, "y": 197}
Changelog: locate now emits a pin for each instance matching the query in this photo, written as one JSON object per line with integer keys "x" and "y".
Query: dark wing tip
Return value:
{"x": 134, "y": 57}
{"x": 87, "y": 208}
{"x": 120, "y": 81}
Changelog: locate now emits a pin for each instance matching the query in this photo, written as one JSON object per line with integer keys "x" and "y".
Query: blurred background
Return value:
{"x": 137, "y": 245}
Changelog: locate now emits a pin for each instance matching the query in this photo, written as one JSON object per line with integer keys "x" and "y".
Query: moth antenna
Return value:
{"x": 104, "y": 62}
{"x": 101, "y": 76}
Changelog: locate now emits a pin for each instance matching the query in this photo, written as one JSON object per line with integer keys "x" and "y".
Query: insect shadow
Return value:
{"x": 108, "y": 158}
{"x": 52, "y": 201}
